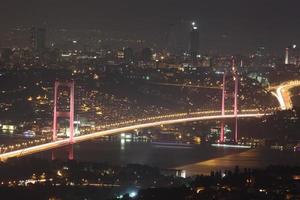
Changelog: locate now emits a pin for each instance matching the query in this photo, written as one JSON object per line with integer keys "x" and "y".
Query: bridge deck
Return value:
{"x": 81, "y": 138}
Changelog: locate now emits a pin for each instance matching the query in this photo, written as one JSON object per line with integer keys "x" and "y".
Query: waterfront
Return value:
{"x": 194, "y": 159}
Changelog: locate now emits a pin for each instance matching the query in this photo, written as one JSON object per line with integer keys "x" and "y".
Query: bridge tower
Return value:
{"x": 235, "y": 102}
{"x": 64, "y": 114}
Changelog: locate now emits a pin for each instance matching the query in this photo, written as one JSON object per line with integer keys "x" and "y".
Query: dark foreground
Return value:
{"x": 42, "y": 179}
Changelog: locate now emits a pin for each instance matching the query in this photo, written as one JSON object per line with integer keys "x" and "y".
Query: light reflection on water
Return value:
{"x": 254, "y": 158}
{"x": 197, "y": 159}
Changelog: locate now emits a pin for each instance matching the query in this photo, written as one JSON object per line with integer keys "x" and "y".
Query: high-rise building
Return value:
{"x": 194, "y": 42}
{"x": 5, "y": 55}
{"x": 286, "y": 59}
{"x": 38, "y": 39}
{"x": 146, "y": 55}
{"x": 120, "y": 54}
{"x": 128, "y": 55}
{"x": 260, "y": 57}
{"x": 292, "y": 55}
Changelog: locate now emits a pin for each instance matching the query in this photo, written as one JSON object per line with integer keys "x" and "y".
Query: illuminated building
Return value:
{"x": 260, "y": 57}
{"x": 292, "y": 55}
{"x": 194, "y": 42}
{"x": 286, "y": 60}
{"x": 120, "y": 55}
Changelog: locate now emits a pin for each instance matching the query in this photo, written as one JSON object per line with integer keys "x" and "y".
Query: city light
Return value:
{"x": 283, "y": 93}
{"x": 149, "y": 100}
{"x": 231, "y": 146}
{"x": 162, "y": 120}
{"x": 132, "y": 194}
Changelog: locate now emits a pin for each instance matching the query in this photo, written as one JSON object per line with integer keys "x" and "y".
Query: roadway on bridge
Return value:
{"x": 283, "y": 95}
{"x": 112, "y": 131}
{"x": 187, "y": 85}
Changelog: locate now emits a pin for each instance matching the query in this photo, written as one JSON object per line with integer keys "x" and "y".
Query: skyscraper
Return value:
{"x": 128, "y": 55}
{"x": 5, "y": 55}
{"x": 286, "y": 59}
{"x": 38, "y": 39}
{"x": 292, "y": 55}
{"x": 146, "y": 55}
{"x": 194, "y": 42}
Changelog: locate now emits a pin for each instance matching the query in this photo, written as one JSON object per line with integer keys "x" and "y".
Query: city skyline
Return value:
{"x": 149, "y": 100}
{"x": 230, "y": 27}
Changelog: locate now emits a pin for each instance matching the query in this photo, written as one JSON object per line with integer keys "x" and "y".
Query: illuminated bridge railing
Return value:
{"x": 132, "y": 123}
{"x": 292, "y": 83}
{"x": 154, "y": 118}
{"x": 173, "y": 116}
{"x": 25, "y": 144}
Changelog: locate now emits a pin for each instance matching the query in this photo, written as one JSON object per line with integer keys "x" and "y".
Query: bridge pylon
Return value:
{"x": 235, "y": 102}
{"x": 64, "y": 114}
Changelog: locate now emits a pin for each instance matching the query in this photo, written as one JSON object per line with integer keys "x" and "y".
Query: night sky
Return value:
{"x": 231, "y": 25}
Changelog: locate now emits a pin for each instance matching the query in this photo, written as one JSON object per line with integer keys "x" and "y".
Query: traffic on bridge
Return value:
{"x": 128, "y": 126}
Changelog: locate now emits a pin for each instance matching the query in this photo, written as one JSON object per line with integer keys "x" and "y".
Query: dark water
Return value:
{"x": 195, "y": 159}
{"x": 254, "y": 158}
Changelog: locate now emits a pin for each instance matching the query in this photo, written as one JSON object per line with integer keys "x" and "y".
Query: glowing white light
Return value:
{"x": 231, "y": 146}
{"x": 132, "y": 194}
{"x": 223, "y": 174}
{"x": 279, "y": 97}
{"x": 183, "y": 174}
{"x": 66, "y": 54}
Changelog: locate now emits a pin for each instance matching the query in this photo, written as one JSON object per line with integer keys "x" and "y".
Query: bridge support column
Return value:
{"x": 235, "y": 107}
{"x": 235, "y": 103}
{"x": 236, "y": 131}
{"x": 53, "y": 155}
{"x": 69, "y": 114}
{"x": 70, "y": 152}
{"x": 54, "y": 133}
{"x": 222, "y": 132}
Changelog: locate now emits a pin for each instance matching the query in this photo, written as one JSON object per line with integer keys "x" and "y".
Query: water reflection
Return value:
{"x": 122, "y": 144}
{"x": 197, "y": 159}
{"x": 254, "y": 158}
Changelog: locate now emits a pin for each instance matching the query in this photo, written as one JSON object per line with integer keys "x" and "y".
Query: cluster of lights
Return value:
{"x": 13, "y": 147}
{"x": 231, "y": 146}
{"x": 168, "y": 119}
{"x": 194, "y": 26}
{"x": 170, "y": 116}
{"x": 282, "y": 93}
{"x": 131, "y": 194}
